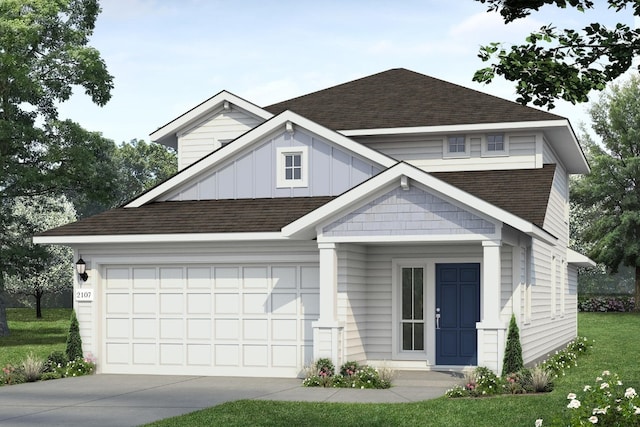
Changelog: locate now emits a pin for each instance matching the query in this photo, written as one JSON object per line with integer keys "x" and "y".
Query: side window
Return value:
{"x": 456, "y": 146}
{"x": 292, "y": 167}
{"x": 495, "y": 145}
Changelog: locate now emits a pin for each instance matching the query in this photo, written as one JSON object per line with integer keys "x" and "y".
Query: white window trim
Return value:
{"x": 458, "y": 154}
{"x": 281, "y": 182}
{"x": 501, "y": 153}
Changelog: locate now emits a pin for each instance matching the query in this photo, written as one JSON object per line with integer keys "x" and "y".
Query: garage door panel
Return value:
{"x": 227, "y": 304}
{"x": 144, "y": 354}
{"x": 118, "y": 304}
{"x": 117, "y": 353}
{"x": 171, "y": 278}
{"x": 144, "y": 304}
{"x": 227, "y": 277}
{"x": 227, "y": 355}
{"x": 145, "y": 328}
{"x": 209, "y": 319}
{"x": 198, "y": 303}
{"x": 171, "y": 329}
{"x": 284, "y": 356}
{"x": 282, "y": 303}
{"x": 255, "y": 278}
{"x": 255, "y": 355}
{"x": 199, "y": 278}
{"x": 227, "y": 329}
{"x": 171, "y": 354}
{"x": 199, "y": 355}
{"x": 284, "y": 278}
{"x": 117, "y": 328}
{"x": 144, "y": 278}
{"x": 255, "y": 303}
{"x": 284, "y": 330}
{"x": 199, "y": 329}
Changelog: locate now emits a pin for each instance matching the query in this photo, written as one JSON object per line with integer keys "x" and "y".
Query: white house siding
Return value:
{"x": 506, "y": 282}
{"x": 427, "y": 151}
{"x": 557, "y": 218}
{"x": 205, "y": 136}
{"x": 352, "y": 299}
{"x": 252, "y": 173}
{"x": 276, "y": 289}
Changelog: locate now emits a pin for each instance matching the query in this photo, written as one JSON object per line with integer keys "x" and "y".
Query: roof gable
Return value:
{"x": 400, "y": 98}
{"x": 166, "y": 134}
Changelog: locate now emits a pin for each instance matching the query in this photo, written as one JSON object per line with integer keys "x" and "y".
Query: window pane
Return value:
{"x": 406, "y": 294}
{"x": 418, "y": 336}
{"x": 297, "y": 172}
{"x": 288, "y": 160}
{"x": 417, "y": 294}
{"x": 407, "y": 334}
{"x": 288, "y": 173}
{"x": 297, "y": 160}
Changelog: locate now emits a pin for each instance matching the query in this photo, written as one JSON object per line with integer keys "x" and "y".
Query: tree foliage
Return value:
{"x": 41, "y": 269}
{"x": 512, "y": 361}
{"x": 44, "y": 56}
{"x": 611, "y": 192}
{"x": 74, "y": 340}
{"x": 561, "y": 63}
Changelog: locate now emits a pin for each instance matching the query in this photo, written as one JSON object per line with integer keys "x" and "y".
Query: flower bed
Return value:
{"x": 606, "y": 303}
{"x": 351, "y": 375}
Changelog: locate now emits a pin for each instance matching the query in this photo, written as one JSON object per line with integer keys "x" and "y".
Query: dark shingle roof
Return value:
{"x": 522, "y": 192}
{"x": 404, "y": 98}
{"x": 197, "y": 216}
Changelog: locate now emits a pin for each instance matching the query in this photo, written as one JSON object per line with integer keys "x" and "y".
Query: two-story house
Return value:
{"x": 396, "y": 218}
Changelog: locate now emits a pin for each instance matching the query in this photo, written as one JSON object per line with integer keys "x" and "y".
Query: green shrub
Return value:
{"x": 46, "y": 376}
{"x": 77, "y": 368}
{"x": 349, "y": 368}
{"x": 368, "y": 377}
{"x": 74, "y": 342}
{"x": 512, "y": 361}
{"x": 10, "y": 375}
{"x": 56, "y": 359}
{"x": 351, "y": 375}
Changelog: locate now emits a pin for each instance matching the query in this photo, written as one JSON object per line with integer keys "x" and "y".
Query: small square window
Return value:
{"x": 292, "y": 167}
{"x": 495, "y": 142}
{"x": 456, "y": 144}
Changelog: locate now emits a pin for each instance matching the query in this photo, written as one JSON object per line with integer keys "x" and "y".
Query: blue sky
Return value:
{"x": 169, "y": 55}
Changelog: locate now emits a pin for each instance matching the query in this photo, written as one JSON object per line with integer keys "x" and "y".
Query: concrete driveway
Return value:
{"x": 131, "y": 400}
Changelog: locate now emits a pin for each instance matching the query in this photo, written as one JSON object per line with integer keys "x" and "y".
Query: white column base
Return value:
{"x": 327, "y": 341}
{"x": 491, "y": 342}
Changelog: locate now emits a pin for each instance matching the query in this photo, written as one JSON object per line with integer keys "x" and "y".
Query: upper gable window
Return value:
{"x": 292, "y": 167}
{"x": 495, "y": 145}
{"x": 456, "y": 146}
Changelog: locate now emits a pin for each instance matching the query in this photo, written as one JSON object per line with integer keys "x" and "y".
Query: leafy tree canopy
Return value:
{"x": 610, "y": 194}
{"x": 561, "y": 63}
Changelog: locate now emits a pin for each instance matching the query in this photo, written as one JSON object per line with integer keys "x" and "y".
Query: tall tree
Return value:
{"x": 44, "y": 55}
{"x": 42, "y": 269}
{"x": 561, "y": 64}
{"x": 612, "y": 189}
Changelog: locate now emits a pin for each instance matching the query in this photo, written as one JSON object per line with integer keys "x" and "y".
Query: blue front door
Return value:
{"x": 457, "y": 311}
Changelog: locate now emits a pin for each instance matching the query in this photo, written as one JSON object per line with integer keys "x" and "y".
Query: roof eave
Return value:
{"x": 157, "y": 238}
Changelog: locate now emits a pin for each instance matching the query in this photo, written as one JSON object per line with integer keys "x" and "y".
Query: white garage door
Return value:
{"x": 248, "y": 320}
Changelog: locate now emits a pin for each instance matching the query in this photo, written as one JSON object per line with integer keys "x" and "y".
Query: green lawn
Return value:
{"x": 31, "y": 335}
{"x": 617, "y": 345}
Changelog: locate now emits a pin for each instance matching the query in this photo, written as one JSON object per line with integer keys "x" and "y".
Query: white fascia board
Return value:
{"x": 440, "y": 239}
{"x": 253, "y": 136}
{"x": 472, "y": 127}
{"x": 577, "y": 259}
{"x": 204, "y": 108}
{"x": 373, "y": 185}
{"x": 158, "y": 238}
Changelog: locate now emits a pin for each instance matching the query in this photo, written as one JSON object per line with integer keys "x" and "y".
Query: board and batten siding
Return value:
{"x": 207, "y": 135}
{"x": 352, "y": 299}
{"x": 427, "y": 151}
{"x": 227, "y": 253}
{"x": 252, "y": 173}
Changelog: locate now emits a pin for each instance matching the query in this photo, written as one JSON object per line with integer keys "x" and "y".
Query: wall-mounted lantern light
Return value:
{"x": 81, "y": 268}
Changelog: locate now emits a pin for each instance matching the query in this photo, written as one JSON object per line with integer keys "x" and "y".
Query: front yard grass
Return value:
{"x": 616, "y": 348}
{"x": 31, "y": 335}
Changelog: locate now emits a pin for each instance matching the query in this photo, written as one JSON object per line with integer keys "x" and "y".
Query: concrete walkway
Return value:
{"x": 130, "y": 400}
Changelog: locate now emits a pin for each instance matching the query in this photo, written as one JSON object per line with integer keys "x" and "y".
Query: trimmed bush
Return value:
{"x": 512, "y": 361}
{"x": 56, "y": 359}
{"x": 74, "y": 342}
{"x": 621, "y": 303}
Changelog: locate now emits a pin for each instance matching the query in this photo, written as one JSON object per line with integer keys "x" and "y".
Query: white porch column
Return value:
{"x": 491, "y": 329}
{"x": 327, "y": 330}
